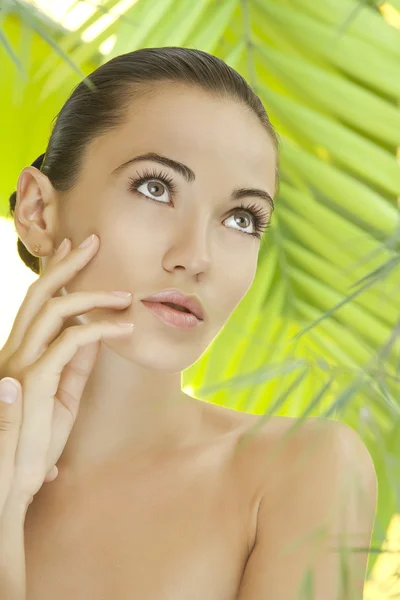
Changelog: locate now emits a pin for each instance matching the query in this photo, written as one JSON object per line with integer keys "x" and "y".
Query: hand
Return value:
{"x": 51, "y": 371}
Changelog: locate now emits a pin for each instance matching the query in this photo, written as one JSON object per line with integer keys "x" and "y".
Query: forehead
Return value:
{"x": 196, "y": 128}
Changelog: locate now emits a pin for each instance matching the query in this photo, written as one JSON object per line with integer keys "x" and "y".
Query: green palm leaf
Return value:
{"x": 317, "y": 334}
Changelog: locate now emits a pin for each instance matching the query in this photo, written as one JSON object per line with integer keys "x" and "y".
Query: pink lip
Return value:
{"x": 171, "y": 316}
{"x": 175, "y": 296}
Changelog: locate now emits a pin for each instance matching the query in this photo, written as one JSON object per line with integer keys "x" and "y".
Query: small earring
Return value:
{"x": 36, "y": 248}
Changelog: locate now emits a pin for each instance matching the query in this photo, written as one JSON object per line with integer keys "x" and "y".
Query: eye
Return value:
{"x": 155, "y": 186}
{"x": 259, "y": 218}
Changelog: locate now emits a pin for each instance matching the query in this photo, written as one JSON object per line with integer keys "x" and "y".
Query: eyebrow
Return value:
{"x": 190, "y": 176}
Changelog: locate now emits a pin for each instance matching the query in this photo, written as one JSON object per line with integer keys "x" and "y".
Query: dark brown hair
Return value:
{"x": 99, "y": 102}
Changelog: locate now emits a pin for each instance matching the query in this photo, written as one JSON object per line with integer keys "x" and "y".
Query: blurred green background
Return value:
{"x": 317, "y": 334}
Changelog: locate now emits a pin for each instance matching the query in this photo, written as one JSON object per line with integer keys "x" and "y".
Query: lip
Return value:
{"x": 172, "y": 316}
{"x": 175, "y": 296}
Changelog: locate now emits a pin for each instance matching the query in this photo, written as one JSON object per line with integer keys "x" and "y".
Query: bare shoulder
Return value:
{"x": 279, "y": 449}
{"x": 290, "y": 454}
{"x": 284, "y": 464}
{"x": 259, "y": 446}
{"x": 317, "y": 468}
{"x": 315, "y": 486}
{"x": 270, "y": 448}
{"x": 296, "y": 443}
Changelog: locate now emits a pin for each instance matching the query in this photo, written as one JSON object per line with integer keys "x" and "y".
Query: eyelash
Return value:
{"x": 260, "y": 217}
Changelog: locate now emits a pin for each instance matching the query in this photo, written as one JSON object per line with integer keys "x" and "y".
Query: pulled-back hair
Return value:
{"x": 99, "y": 103}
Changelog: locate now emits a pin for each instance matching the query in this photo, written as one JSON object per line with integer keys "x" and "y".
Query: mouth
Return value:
{"x": 178, "y": 301}
{"x": 173, "y": 315}
{"x": 177, "y": 307}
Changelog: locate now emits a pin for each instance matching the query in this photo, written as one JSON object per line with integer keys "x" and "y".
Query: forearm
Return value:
{"x": 12, "y": 551}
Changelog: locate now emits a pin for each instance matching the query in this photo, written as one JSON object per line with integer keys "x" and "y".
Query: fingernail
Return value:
{"x": 87, "y": 242}
{"x": 123, "y": 294}
{"x": 62, "y": 246}
{"x": 8, "y": 390}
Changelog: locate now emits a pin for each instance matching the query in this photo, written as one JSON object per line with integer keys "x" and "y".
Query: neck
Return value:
{"x": 127, "y": 408}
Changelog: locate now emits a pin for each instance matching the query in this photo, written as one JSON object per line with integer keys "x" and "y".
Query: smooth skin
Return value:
{"x": 155, "y": 496}
{"x": 52, "y": 371}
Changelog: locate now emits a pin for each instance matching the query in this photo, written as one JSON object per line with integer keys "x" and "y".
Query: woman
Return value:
{"x": 171, "y": 161}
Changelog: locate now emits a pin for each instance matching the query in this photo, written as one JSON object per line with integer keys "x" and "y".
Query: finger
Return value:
{"x": 10, "y": 422}
{"x": 69, "y": 393}
{"x": 32, "y": 301}
{"x": 47, "y": 324}
{"x": 59, "y": 271}
{"x": 48, "y": 368}
{"x": 40, "y": 385}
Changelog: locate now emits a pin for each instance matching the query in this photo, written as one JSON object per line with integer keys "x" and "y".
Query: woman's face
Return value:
{"x": 195, "y": 238}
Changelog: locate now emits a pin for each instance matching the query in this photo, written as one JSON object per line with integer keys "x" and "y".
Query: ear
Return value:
{"x": 35, "y": 211}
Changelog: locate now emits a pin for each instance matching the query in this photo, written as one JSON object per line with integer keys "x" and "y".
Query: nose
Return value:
{"x": 189, "y": 249}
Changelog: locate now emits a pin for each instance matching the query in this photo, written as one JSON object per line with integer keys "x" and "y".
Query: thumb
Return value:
{"x": 10, "y": 422}
{"x": 9, "y": 390}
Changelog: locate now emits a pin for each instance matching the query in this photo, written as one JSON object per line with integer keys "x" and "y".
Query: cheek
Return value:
{"x": 239, "y": 291}
{"x": 234, "y": 285}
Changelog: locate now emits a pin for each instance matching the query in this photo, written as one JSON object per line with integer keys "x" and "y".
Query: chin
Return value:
{"x": 166, "y": 356}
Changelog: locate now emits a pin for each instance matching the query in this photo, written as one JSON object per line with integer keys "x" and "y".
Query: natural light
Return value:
{"x": 72, "y": 15}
